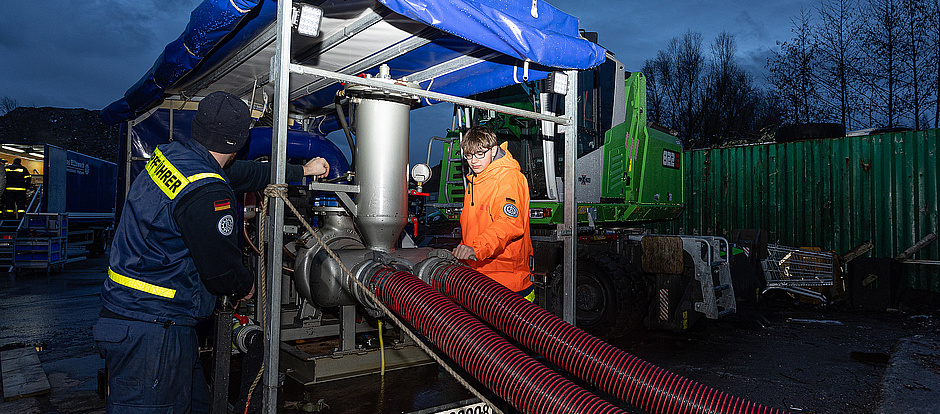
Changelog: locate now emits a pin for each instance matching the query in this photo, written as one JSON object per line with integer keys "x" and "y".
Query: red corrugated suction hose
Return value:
{"x": 517, "y": 378}
{"x": 625, "y": 376}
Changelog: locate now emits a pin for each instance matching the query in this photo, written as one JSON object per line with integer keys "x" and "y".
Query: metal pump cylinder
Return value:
{"x": 382, "y": 124}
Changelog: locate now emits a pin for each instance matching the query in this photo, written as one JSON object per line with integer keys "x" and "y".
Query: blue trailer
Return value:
{"x": 70, "y": 213}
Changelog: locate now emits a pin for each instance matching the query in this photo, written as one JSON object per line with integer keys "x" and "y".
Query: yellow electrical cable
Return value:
{"x": 381, "y": 349}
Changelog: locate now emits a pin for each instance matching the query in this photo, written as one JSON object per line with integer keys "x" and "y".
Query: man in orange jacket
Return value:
{"x": 495, "y": 219}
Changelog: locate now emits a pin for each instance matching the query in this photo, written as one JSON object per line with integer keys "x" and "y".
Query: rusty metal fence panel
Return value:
{"x": 831, "y": 193}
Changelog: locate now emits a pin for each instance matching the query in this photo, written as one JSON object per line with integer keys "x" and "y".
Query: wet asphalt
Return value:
{"x": 55, "y": 313}
{"x": 793, "y": 356}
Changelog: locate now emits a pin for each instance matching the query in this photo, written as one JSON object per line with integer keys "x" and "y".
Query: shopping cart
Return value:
{"x": 795, "y": 270}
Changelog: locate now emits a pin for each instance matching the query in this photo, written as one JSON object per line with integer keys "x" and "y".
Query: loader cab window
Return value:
{"x": 589, "y": 137}
{"x": 590, "y": 129}
{"x": 525, "y": 145}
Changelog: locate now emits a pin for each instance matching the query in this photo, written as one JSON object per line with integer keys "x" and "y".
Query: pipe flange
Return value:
{"x": 359, "y": 92}
{"x": 364, "y": 272}
{"x": 329, "y": 209}
{"x": 240, "y": 336}
{"x": 436, "y": 260}
{"x": 355, "y": 92}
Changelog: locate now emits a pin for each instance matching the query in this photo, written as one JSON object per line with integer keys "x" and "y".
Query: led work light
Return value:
{"x": 307, "y": 20}
{"x": 557, "y": 82}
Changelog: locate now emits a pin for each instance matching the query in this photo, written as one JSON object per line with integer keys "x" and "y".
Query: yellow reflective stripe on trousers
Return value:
{"x": 15, "y": 188}
{"x": 141, "y": 285}
{"x": 168, "y": 177}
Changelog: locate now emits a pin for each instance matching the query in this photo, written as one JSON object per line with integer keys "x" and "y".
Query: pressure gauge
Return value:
{"x": 421, "y": 173}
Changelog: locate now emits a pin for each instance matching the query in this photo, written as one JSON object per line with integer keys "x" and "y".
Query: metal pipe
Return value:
{"x": 917, "y": 246}
{"x": 272, "y": 305}
{"x": 398, "y": 88}
{"x": 341, "y": 117}
{"x": 569, "y": 229}
{"x": 300, "y": 144}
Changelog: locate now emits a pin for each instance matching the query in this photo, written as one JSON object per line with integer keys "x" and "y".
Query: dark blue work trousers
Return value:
{"x": 152, "y": 368}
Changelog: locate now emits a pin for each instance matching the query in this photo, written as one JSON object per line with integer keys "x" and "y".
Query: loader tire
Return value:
{"x": 610, "y": 300}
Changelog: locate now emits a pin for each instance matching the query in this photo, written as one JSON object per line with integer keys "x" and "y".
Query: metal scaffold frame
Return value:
{"x": 281, "y": 68}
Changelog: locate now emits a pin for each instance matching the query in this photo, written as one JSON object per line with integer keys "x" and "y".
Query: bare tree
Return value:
{"x": 657, "y": 73}
{"x": 673, "y": 84}
{"x": 769, "y": 114}
{"x": 882, "y": 37}
{"x": 838, "y": 49}
{"x": 689, "y": 64}
{"x": 793, "y": 72}
{"x": 934, "y": 25}
{"x": 8, "y": 104}
{"x": 914, "y": 57}
{"x": 727, "y": 104}
{"x": 707, "y": 99}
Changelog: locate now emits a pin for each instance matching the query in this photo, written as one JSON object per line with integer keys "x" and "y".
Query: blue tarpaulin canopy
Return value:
{"x": 455, "y": 47}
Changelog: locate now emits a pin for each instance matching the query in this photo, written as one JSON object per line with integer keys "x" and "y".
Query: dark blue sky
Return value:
{"x": 67, "y": 54}
{"x": 85, "y": 55}
{"x": 636, "y": 31}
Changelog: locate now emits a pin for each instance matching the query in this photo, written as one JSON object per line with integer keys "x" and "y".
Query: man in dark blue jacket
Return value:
{"x": 174, "y": 251}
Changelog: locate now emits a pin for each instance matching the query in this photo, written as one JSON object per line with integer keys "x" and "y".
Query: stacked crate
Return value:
{"x": 41, "y": 243}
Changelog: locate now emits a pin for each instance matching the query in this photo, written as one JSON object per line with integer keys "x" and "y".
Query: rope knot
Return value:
{"x": 275, "y": 190}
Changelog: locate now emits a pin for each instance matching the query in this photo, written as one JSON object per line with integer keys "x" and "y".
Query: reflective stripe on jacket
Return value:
{"x": 17, "y": 177}
{"x": 495, "y": 222}
{"x": 152, "y": 276}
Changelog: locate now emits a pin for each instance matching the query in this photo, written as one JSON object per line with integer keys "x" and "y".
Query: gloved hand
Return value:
{"x": 464, "y": 252}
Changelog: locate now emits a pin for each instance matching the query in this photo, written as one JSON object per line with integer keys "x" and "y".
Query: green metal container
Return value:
{"x": 831, "y": 193}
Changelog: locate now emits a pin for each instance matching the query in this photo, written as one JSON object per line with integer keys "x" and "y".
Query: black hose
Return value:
{"x": 341, "y": 117}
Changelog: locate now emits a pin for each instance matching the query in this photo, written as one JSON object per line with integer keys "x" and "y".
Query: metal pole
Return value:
{"x": 383, "y": 85}
{"x": 272, "y": 318}
{"x": 221, "y": 361}
{"x": 128, "y": 157}
{"x": 569, "y": 229}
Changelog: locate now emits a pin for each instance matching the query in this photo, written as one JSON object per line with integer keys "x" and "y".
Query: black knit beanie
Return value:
{"x": 221, "y": 123}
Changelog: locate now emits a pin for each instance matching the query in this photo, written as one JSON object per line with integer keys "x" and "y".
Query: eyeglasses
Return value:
{"x": 478, "y": 155}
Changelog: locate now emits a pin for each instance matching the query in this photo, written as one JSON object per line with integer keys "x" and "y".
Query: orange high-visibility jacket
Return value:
{"x": 495, "y": 222}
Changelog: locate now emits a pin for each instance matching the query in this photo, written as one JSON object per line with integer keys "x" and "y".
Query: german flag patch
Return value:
{"x": 222, "y": 205}
{"x": 511, "y": 201}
